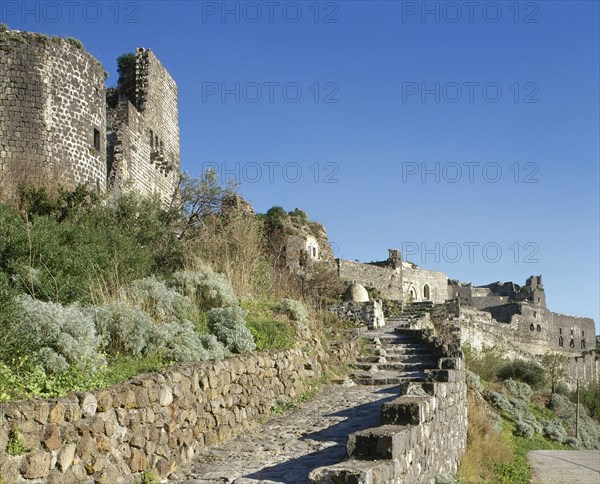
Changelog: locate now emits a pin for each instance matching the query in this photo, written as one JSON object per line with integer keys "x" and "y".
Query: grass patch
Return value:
{"x": 271, "y": 331}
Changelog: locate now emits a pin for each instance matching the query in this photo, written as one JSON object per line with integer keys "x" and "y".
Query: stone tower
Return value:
{"x": 52, "y": 114}
{"x": 143, "y": 132}
{"x": 56, "y": 128}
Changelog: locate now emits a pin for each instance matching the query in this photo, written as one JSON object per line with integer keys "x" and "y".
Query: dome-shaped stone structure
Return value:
{"x": 356, "y": 293}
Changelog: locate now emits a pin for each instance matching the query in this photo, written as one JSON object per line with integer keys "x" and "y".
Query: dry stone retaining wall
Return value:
{"x": 152, "y": 422}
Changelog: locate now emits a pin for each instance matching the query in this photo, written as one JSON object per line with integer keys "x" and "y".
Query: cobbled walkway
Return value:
{"x": 288, "y": 447}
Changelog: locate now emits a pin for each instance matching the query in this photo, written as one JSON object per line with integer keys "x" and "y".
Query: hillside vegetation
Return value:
{"x": 94, "y": 290}
{"x": 514, "y": 407}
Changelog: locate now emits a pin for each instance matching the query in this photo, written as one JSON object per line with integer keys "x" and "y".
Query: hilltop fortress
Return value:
{"x": 59, "y": 124}
{"x": 57, "y": 128}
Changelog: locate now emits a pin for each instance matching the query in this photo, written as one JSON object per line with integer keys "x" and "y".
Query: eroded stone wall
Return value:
{"x": 52, "y": 113}
{"x": 429, "y": 285}
{"x": 153, "y": 422}
{"x": 144, "y": 152}
{"x": 385, "y": 279}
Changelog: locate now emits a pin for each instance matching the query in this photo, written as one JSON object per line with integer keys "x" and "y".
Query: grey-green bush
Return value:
{"x": 58, "y": 337}
{"x": 228, "y": 325}
{"x": 206, "y": 288}
{"x": 518, "y": 389}
{"x": 523, "y": 429}
{"x": 160, "y": 302}
{"x": 127, "y": 330}
{"x": 294, "y": 309}
{"x": 473, "y": 381}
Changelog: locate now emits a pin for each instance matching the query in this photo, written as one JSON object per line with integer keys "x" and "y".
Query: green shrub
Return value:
{"x": 206, "y": 288}
{"x": 486, "y": 362}
{"x": 554, "y": 430}
{"x": 228, "y": 325}
{"x": 523, "y": 370}
{"x": 294, "y": 309}
{"x": 589, "y": 396}
{"x": 57, "y": 337}
{"x": 75, "y": 42}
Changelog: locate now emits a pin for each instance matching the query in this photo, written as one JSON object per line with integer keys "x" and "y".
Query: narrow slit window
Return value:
{"x": 97, "y": 140}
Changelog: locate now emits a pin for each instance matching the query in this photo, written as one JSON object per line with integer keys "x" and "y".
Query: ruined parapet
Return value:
{"x": 144, "y": 137}
{"x": 52, "y": 113}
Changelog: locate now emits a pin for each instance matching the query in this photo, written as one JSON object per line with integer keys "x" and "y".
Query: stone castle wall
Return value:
{"x": 52, "y": 113}
{"x": 153, "y": 422}
{"x": 385, "y": 279}
{"x": 418, "y": 278}
{"x": 519, "y": 339}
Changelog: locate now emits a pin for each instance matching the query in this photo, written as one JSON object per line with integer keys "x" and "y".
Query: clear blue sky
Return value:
{"x": 495, "y": 86}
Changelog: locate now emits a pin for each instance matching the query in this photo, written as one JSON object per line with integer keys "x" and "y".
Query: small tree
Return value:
{"x": 555, "y": 365}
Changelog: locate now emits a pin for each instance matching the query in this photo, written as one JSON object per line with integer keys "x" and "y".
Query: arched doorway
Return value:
{"x": 412, "y": 294}
{"x": 426, "y": 292}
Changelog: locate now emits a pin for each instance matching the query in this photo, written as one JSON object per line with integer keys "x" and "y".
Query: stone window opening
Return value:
{"x": 535, "y": 314}
{"x": 426, "y": 292}
{"x": 538, "y": 328}
{"x": 559, "y": 330}
{"x": 572, "y": 343}
{"x": 583, "y": 334}
{"x": 582, "y": 344}
{"x": 531, "y": 327}
{"x": 560, "y": 341}
{"x": 97, "y": 140}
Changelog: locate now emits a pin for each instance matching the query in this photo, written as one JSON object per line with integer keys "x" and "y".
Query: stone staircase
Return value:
{"x": 422, "y": 433}
{"x": 396, "y": 353}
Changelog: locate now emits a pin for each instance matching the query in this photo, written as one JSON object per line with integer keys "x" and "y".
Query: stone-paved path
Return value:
{"x": 288, "y": 447}
{"x": 565, "y": 466}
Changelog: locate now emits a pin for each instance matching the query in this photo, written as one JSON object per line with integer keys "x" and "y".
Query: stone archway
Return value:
{"x": 412, "y": 294}
{"x": 426, "y": 292}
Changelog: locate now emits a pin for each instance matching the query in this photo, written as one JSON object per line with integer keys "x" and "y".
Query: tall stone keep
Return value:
{"x": 143, "y": 132}
{"x": 52, "y": 113}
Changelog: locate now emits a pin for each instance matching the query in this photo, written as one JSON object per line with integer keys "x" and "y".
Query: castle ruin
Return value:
{"x": 56, "y": 128}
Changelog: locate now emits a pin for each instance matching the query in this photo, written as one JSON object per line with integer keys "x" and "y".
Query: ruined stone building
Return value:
{"x": 508, "y": 316}
{"x": 396, "y": 279}
{"x": 56, "y": 128}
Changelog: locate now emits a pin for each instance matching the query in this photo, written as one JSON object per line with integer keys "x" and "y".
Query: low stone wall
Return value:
{"x": 369, "y": 313}
{"x": 152, "y": 422}
{"x": 423, "y": 433}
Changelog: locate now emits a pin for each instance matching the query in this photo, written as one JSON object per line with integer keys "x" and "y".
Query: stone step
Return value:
{"x": 400, "y": 350}
{"x": 386, "y": 378}
{"x": 400, "y": 358}
{"x": 398, "y": 367}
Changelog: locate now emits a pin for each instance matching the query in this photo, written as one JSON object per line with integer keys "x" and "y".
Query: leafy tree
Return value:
{"x": 555, "y": 365}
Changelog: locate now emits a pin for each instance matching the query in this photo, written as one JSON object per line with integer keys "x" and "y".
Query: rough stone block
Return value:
{"x": 387, "y": 442}
{"x": 408, "y": 410}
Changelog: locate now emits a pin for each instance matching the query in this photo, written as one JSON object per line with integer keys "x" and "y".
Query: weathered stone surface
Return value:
{"x": 66, "y": 456}
{"x": 89, "y": 404}
{"x": 51, "y": 438}
{"x": 36, "y": 465}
